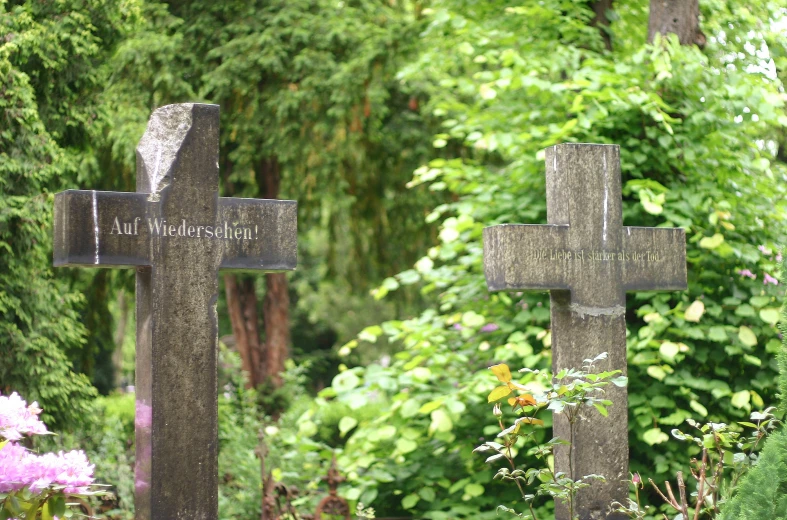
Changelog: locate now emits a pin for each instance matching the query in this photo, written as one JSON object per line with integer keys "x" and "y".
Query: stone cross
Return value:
{"x": 587, "y": 260}
{"x": 177, "y": 233}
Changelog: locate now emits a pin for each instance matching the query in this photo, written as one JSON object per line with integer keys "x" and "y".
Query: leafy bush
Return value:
{"x": 699, "y": 134}
{"x": 763, "y": 493}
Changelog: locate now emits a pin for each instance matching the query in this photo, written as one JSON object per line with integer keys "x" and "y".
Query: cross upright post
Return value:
{"x": 177, "y": 233}
{"x": 587, "y": 260}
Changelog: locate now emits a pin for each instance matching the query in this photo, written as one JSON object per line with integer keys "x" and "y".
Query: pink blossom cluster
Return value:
{"x": 21, "y": 468}
{"x": 17, "y": 418}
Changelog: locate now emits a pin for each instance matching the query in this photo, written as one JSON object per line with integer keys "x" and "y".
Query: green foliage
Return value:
{"x": 567, "y": 393}
{"x": 763, "y": 494}
{"x": 51, "y": 76}
{"x": 699, "y": 134}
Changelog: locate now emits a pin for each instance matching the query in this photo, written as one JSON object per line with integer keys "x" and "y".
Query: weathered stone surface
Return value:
{"x": 177, "y": 233}
{"x": 587, "y": 260}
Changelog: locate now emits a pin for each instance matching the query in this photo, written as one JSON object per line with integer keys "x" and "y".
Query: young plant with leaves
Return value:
{"x": 566, "y": 393}
{"x": 726, "y": 456}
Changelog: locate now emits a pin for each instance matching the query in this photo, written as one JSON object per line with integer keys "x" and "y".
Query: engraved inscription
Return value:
{"x": 164, "y": 228}
{"x": 591, "y": 255}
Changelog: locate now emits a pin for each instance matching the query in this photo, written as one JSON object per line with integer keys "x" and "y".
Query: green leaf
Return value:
{"x": 717, "y": 333}
{"x": 498, "y": 393}
{"x": 770, "y": 316}
{"x": 697, "y": 407}
{"x": 441, "y": 422}
{"x": 409, "y": 408}
{"x": 654, "y": 436}
{"x": 712, "y": 242}
{"x": 669, "y": 350}
{"x": 741, "y": 399}
{"x": 405, "y": 446}
{"x": 410, "y": 501}
{"x": 746, "y": 335}
{"x": 656, "y": 372}
{"x": 474, "y": 490}
{"x": 346, "y": 424}
{"x": 472, "y": 320}
{"x": 601, "y": 409}
{"x": 345, "y": 381}
{"x": 307, "y": 429}
{"x": 430, "y": 406}
{"x": 427, "y": 493}
{"x": 695, "y": 311}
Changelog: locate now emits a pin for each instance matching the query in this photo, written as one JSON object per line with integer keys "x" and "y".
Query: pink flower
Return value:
{"x": 457, "y": 326}
{"x": 20, "y": 468}
{"x": 747, "y": 273}
{"x": 490, "y": 327}
{"x": 769, "y": 279}
{"x": 779, "y": 256}
{"x": 764, "y": 250}
{"x": 17, "y": 419}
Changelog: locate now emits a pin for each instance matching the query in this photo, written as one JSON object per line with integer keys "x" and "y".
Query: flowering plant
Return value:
{"x": 36, "y": 486}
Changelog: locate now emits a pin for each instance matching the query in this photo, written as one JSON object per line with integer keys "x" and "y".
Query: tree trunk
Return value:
{"x": 119, "y": 337}
{"x": 276, "y": 305}
{"x": 242, "y": 306}
{"x": 264, "y": 362}
{"x": 601, "y": 22}
{"x": 681, "y": 17}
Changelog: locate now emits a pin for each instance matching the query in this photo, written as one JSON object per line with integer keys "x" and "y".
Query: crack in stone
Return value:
{"x": 158, "y": 148}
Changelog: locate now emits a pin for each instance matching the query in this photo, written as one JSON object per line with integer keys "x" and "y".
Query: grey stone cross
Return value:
{"x": 587, "y": 260}
{"x": 177, "y": 233}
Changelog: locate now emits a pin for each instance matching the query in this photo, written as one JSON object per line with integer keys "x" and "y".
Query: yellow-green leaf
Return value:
{"x": 747, "y": 337}
{"x": 712, "y": 242}
{"x": 741, "y": 399}
{"x": 656, "y": 372}
{"x": 695, "y": 311}
{"x": 669, "y": 350}
{"x": 497, "y": 393}
{"x": 502, "y": 372}
{"x": 770, "y": 316}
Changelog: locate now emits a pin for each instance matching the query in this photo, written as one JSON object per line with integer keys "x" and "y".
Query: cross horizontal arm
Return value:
{"x": 100, "y": 229}
{"x": 660, "y": 263}
{"x": 264, "y": 234}
{"x": 523, "y": 256}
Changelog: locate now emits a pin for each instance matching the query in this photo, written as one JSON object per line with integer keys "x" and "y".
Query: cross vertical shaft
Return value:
{"x": 177, "y": 325}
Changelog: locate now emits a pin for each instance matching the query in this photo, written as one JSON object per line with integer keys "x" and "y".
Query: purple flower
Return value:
{"x": 769, "y": 279}
{"x": 20, "y": 468}
{"x": 17, "y": 418}
{"x": 764, "y": 250}
{"x": 747, "y": 273}
{"x": 490, "y": 327}
{"x": 457, "y": 326}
